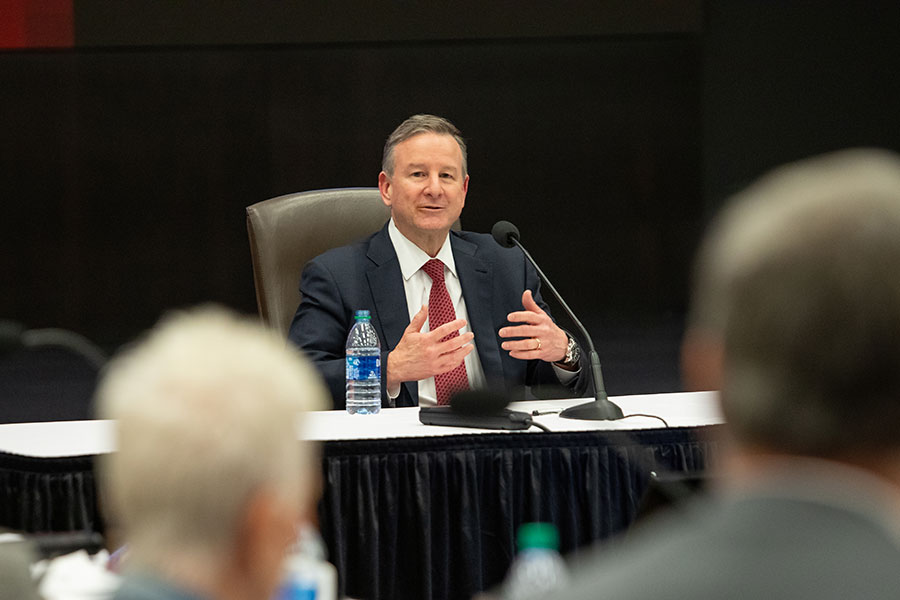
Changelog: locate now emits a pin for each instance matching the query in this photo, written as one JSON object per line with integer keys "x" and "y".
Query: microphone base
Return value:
{"x": 593, "y": 411}
{"x": 447, "y": 417}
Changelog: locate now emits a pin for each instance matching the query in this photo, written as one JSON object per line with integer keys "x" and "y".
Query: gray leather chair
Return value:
{"x": 287, "y": 231}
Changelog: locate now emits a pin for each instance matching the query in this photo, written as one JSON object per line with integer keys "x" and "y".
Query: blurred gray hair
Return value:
{"x": 415, "y": 125}
{"x": 207, "y": 409}
{"x": 800, "y": 279}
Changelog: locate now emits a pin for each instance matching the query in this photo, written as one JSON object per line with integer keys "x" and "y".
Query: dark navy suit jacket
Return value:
{"x": 366, "y": 275}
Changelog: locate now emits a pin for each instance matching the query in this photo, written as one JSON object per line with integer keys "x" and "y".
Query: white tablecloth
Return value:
{"x": 76, "y": 438}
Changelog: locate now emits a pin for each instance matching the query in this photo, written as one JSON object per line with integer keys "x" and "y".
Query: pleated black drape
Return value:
{"x": 436, "y": 517}
{"x": 48, "y": 494}
{"x": 423, "y": 517}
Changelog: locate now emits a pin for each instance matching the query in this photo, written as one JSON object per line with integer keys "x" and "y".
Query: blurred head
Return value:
{"x": 796, "y": 307}
{"x": 209, "y": 469}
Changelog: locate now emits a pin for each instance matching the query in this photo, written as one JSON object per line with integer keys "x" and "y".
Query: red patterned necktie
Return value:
{"x": 440, "y": 311}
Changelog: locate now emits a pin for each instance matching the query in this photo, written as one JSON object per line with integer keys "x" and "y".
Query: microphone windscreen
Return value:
{"x": 504, "y": 233}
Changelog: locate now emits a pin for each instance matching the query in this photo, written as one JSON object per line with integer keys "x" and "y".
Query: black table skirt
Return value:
{"x": 42, "y": 495}
{"x": 436, "y": 518}
{"x": 424, "y": 517}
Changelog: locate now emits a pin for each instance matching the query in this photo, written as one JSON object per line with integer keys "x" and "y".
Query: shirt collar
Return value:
{"x": 412, "y": 258}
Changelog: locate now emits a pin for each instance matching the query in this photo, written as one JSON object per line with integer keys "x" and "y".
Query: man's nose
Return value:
{"x": 434, "y": 185}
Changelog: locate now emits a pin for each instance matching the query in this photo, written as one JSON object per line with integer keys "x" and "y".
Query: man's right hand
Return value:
{"x": 421, "y": 355}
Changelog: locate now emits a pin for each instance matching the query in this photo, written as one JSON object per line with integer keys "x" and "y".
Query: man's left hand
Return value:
{"x": 541, "y": 338}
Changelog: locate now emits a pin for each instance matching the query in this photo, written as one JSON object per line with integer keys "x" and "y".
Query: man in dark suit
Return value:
{"x": 796, "y": 319}
{"x": 430, "y": 353}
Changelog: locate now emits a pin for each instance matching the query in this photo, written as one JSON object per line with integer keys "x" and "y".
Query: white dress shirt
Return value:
{"x": 417, "y": 285}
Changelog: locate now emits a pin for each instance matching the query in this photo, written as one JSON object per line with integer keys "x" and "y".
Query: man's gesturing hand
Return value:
{"x": 541, "y": 337}
{"x": 421, "y": 355}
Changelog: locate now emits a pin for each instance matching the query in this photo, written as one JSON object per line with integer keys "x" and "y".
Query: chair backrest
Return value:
{"x": 287, "y": 231}
{"x": 46, "y": 374}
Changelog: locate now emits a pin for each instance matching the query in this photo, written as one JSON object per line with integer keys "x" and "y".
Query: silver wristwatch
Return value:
{"x": 573, "y": 353}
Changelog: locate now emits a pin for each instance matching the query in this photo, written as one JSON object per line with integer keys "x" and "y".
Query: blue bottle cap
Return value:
{"x": 362, "y": 314}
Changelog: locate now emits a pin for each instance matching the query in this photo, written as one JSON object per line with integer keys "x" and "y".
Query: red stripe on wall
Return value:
{"x": 12, "y": 23}
{"x": 37, "y": 24}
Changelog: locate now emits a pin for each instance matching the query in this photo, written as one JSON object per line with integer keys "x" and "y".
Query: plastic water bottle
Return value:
{"x": 538, "y": 569}
{"x": 308, "y": 576}
{"x": 363, "y": 367}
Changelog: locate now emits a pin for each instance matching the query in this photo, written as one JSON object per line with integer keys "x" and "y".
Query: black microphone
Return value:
{"x": 601, "y": 409}
{"x": 505, "y": 233}
{"x": 482, "y": 409}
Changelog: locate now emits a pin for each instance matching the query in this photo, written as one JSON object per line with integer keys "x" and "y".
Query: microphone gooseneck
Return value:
{"x": 601, "y": 409}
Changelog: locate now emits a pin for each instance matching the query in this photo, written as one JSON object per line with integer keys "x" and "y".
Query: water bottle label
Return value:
{"x": 297, "y": 590}
{"x": 360, "y": 368}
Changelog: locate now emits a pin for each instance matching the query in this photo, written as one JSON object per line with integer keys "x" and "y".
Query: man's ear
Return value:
{"x": 465, "y": 190}
{"x": 384, "y": 186}
{"x": 702, "y": 361}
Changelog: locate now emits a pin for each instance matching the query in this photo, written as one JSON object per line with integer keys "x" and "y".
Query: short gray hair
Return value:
{"x": 800, "y": 278}
{"x": 415, "y": 125}
{"x": 207, "y": 410}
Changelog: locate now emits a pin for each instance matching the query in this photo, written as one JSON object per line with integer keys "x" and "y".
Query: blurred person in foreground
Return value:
{"x": 209, "y": 483}
{"x": 796, "y": 319}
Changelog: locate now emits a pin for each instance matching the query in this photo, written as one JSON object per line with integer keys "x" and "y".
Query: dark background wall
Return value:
{"x": 785, "y": 80}
{"x": 607, "y": 131}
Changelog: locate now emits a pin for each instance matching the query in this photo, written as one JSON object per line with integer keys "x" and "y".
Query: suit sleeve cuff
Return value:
{"x": 565, "y": 376}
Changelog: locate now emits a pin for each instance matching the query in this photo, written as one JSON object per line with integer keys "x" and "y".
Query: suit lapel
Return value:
{"x": 386, "y": 286}
{"x": 476, "y": 280}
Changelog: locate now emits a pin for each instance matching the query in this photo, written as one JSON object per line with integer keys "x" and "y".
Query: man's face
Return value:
{"x": 427, "y": 191}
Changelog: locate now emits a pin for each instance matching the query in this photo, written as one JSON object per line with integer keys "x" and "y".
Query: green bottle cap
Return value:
{"x": 538, "y": 535}
{"x": 363, "y": 314}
